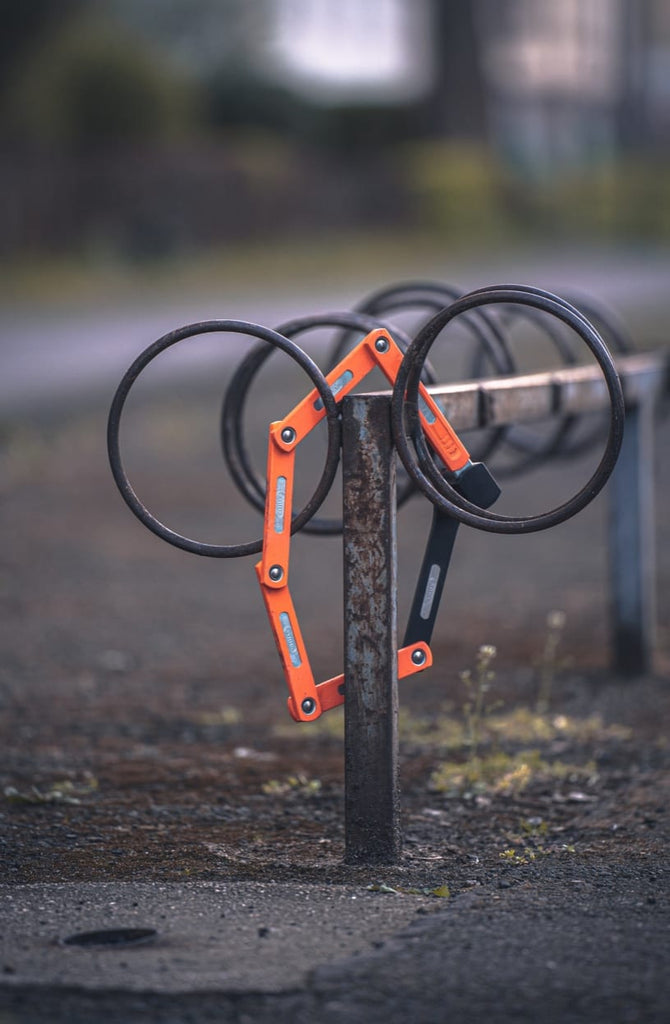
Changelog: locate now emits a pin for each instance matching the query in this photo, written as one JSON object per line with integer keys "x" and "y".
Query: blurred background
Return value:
{"x": 170, "y": 161}
{"x": 144, "y": 130}
{"x": 167, "y": 161}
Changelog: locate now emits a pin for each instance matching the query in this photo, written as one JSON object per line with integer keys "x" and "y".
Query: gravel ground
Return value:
{"x": 145, "y": 742}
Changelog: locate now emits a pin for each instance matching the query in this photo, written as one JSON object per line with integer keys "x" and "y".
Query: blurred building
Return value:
{"x": 351, "y": 52}
{"x": 576, "y": 82}
{"x": 554, "y": 74}
{"x": 143, "y": 127}
{"x": 552, "y": 86}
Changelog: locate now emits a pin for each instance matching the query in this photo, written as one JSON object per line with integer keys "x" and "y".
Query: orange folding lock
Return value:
{"x": 307, "y": 700}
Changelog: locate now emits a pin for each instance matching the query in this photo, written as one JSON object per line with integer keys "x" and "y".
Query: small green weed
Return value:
{"x": 495, "y": 770}
{"x": 440, "y": 891}
{"x": 329, "y": 726}
{"x": 550, "y": 664}
{"x": 530, "y": 842}
{"x": 224, "y": 716}
{"x": 294, "y": 784}
{"x": 477, "y": 684}
{"x": 64, "y": 791}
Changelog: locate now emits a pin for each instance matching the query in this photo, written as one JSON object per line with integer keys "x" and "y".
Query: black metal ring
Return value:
{"x": 236, "y": 454}
{"x": 530, "y": 449}
{"x": 435, "y": 296}
{"x": 607, "y": 322}
{"x": 209, "y": 327}
{"x": 561, "y": 444}
{"x": 616, "y": 336}
{"x": 423, "y": 468}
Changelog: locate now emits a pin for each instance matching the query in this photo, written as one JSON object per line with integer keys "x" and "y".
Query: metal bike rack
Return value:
{"x": 372, "y": 823}
{"x": 419, "y": 422}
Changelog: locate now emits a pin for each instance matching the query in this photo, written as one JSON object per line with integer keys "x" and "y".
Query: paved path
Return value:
{"x": 52, "y": 354}
{"x": 571, "y": 950}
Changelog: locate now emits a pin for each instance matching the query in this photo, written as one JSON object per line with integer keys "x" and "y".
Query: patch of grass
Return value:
{"x": 525, "y": 726}
{"x": 63, "y": 791}
{"x": 328, "y": 726}
{"x": 530, "y": 842}
{"x": 357, "y": 259}
{"x": 443, "y": 731}
{"x": 503, "y": 773}
{"x": 440, "y": 891}
{"x": 224, "y": 716}
{"x": 487, "y": 765}
{"x": 300, "y": 785}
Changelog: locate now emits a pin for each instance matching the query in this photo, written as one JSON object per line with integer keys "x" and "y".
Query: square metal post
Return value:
{"x": 632, "y": 556}
{"x": 372, "y": 799}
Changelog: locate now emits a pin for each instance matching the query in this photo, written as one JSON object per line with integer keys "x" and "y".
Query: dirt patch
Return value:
{"x": 144, "y": 730}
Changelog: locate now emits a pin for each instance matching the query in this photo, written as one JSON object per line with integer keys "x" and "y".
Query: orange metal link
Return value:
{"x": 444, "y": 439}
{"x": 292, "y": 651}
{"x": 331, "y": 692}
{"x": 349, "y": 372}
{"x": 441, "y": 434}
{"x": 352, "y": 369}
{"x": 307, "y": 700}
{"x": 278, "y": 505}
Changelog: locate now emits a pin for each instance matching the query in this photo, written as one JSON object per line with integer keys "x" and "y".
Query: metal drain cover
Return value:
{"x": 113, "y": 937}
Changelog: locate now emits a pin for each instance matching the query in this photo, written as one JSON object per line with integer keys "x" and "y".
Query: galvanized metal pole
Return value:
{"x": 372, "y": 800}
{"x": 632, "y": 556}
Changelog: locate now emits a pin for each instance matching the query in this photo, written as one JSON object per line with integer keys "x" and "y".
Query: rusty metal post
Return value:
{"x": 632, "y": 557}
{"x": 372, "y": 800}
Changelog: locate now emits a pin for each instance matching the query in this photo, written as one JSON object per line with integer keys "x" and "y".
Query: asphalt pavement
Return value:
{"x": 561, "y": 949}
{"x": 53, "y": 353}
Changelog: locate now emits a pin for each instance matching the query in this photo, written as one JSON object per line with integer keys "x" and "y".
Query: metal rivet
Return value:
{"x": 418, "y": 656}
{"x": 382, "y": 344}
{"x": 308, "y": 706}
{"x": 275, "y": 572}
{"x": 288, "y": 435}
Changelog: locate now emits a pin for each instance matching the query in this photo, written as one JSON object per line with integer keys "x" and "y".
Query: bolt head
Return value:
{"x": 382, "y": 344}
{"x": 288, "y": 435}
{"x": 418, "y": 656}
{"x": 275, "y": 572}
{"x": 308, "y": 706}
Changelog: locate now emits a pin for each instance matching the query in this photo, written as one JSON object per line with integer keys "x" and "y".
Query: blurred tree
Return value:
{"x": 205, "y": 37}
{"x": 636, "y": 41}
{"x": 456, "y": 108}
{"x": 91, "y": 82}
{"x": 364, "y": 128}
{"x": 25, "y": 25}
{"x": 234, "y": 98}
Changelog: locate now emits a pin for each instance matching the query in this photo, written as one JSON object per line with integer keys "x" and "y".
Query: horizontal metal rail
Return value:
{"x": 503, "y": 401}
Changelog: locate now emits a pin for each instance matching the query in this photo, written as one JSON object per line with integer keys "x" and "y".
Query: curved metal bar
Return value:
{"x": 423, "y": 468}
{"x": 275, "y": 340}
{"x": 235, "y": 451}
{"x": 434, "y": 296}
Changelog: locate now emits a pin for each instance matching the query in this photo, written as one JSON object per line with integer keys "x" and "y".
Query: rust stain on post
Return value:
{"x": 372, "y": 804}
